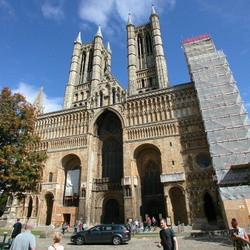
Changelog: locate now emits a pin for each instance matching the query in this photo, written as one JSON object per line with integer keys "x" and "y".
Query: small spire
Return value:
{"x": 38, "y": 102}
{"x": 108, "y": 48}
{"x": 99, "y": 32}
{"x": 129, "y": 20}
{"x": 78, "y": 39}
{"x": 153, "y": 12}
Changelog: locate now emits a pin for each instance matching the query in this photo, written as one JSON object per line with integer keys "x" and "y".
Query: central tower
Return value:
{"x": 147, "y": 68}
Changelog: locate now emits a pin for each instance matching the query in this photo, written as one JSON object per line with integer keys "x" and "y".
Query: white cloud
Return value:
{"x": 30, "y": 92}
{"x": 101, "y": 11}
{"x": 96, "y": 11}
{"x": 53, "y": 11}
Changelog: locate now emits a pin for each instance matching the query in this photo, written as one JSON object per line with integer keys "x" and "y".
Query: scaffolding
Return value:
{"x": 225, "y": 118}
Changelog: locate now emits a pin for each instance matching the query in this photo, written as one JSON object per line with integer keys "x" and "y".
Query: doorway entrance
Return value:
{"x": 179, "y": 206}
{"x": 112, "y": 212}
{"x": 154, "y": 207}
{"x": 49, "y": 203}
{"x": 209, "y": 209}
{"x": 66, "y": 218}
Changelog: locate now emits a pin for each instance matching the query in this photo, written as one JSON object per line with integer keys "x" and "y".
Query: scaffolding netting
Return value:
{"x": 225, "y": 118}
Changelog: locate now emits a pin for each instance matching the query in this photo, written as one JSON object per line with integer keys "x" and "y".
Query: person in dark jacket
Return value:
{"x": 168, "y": 238}
{"x": 17, "y": 228}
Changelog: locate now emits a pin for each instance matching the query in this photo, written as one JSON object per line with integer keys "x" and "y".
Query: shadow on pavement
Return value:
{"x": 222, "y": 240}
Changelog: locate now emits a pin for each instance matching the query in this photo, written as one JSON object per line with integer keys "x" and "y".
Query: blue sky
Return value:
{"x": 37, "y": 39}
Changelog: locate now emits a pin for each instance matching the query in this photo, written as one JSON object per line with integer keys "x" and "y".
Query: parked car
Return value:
{"x": 106, "y": 233}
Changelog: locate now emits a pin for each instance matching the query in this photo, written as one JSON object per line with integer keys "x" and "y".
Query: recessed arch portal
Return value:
{"x": 209, "y": 209}
{"x": 179, "y": 205}
{"x": 148, "y": 161}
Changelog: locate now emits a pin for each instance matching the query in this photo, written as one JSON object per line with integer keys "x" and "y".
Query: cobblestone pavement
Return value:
{"x": 148, "y": 243}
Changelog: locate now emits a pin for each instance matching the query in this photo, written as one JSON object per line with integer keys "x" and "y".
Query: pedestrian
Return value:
{"x": 80, "y": 226}
{"x": 56, "y": 246}
{"x": 154, "y": 222}
{"x": 25, "y": 240}
{"x": 83, "y": 226}
{"x": 149, "y": 221}
{"x": 64, "y": 226}
{"x": 67, "y": 227}
{"x": 17, "y": 228}
{"x": 239, "y": 236}
{"x": 75, "y": 227}
{"x": 168, "y": 238}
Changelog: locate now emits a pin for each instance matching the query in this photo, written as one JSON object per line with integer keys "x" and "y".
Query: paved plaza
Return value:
{"x": 148, "y": 243}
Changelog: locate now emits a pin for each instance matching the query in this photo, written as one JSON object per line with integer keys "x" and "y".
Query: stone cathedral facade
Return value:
{"x": 149, "y": 151}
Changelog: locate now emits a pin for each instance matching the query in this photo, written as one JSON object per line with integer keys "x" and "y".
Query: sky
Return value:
{"x": 37, "y": 37}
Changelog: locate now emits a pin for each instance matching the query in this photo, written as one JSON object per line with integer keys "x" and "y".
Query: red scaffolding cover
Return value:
{"x": 196, "y": 38}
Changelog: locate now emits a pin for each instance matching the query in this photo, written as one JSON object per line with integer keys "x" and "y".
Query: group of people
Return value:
{"x": 142, "y": 226}
{"x": 27, "y": 241}
{"x": 79, "y": 226}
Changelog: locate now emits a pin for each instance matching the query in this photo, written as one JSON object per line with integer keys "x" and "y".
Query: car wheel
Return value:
{"x": 79, "y": 240}
{"x": 117, "y": 240}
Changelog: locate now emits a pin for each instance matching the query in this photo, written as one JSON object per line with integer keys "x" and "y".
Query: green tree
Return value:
{"x": 21, "y": 165}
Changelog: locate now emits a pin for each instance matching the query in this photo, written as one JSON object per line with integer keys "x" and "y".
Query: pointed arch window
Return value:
{"x": 152, "y": 182}
{"x": 113, "y": 96}
{"x": 148, "y": 44}
{"x": 112, "y": 160}
{"x": 101, "y": 99}
{"x": 142, "y": 83}
{"x": 140, "y": 46}
{"x": 90, "y": 64}
{"x": 82, "y": 69}
{"x": 150, "y": 81}
{"x": 50, "y": 177}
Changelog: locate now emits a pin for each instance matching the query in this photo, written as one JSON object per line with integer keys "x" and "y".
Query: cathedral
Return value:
{"x": 177, "y": 152}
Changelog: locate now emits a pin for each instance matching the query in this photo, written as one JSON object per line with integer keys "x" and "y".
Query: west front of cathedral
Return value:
{"x": 180, "y": 152}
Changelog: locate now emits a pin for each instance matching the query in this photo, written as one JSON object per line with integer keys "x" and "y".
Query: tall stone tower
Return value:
{"x": 90, "y": 62}
{"x": 147, "y": 68}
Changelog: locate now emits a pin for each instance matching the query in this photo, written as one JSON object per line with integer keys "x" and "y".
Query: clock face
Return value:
{"x": 203, "y": 161}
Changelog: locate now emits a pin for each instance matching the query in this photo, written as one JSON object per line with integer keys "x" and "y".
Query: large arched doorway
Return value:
{"x": 209, "y": 209}
{"x": 179, "y": 206}
{"x": 112, "y": 212}
{"x": 148, "y": 159}
{"x": 109, "y": 169}
{"x": 49, "y": 207}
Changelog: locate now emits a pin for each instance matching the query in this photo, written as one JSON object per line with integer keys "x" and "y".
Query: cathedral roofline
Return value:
{"x": 167, "y": 90}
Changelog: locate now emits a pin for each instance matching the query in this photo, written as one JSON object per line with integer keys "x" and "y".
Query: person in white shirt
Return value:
{"x": 25, "y": 240}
